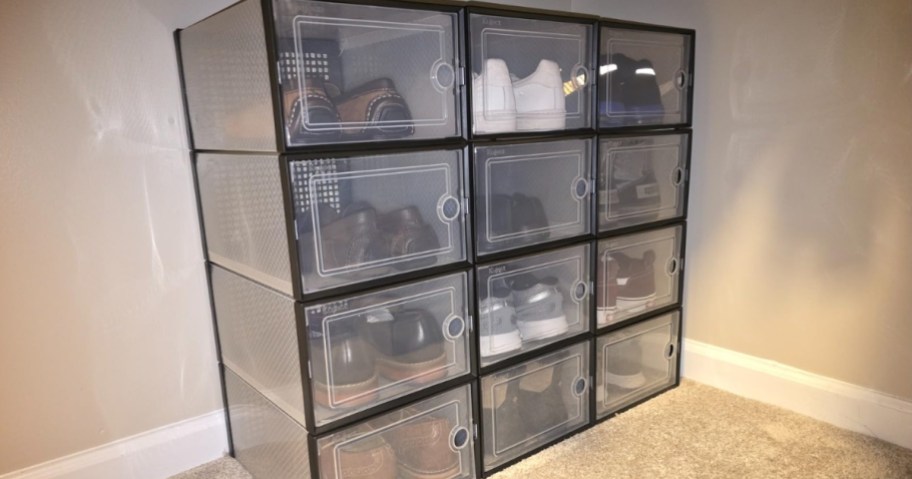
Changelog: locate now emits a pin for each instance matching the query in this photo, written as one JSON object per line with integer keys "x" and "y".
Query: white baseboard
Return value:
{"x": 155, "y": 454}
{"x": 838, "y": 403}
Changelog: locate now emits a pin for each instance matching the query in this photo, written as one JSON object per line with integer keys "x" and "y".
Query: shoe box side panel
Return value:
{"x": 267, "y": 442}
{"x": 636, "y": 362}
{"x": 241, "y": 197}
{"x": 259, "y": 340}
{"x": 226, "y": 77}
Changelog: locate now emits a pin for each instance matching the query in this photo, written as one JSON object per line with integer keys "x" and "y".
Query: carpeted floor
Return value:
{"x": 695, "y": 431}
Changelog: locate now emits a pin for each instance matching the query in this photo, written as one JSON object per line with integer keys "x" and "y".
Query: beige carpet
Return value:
{"x": 696, "y": 431}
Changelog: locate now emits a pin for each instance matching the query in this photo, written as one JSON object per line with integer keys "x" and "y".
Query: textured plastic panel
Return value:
{"x": 534, "y": 403}
{"x": 367, "y": 217}
{"x": 532, "y": 301}
{"x": 530, "y": 75}
{"x": 641, "y": 179}
{"x": 636, "y": 362}
{"x": 644, "y": 78}
{"x": 267, "y": 443}
{"x": 432, "y": 438}
{"x": 637, "y": 274}
{"x": 529, "y": 193}
{"x": 371, "y": 348}
{"x": 367, "y": 73}
{"x": 244, "y": 216}
{"x": 226, "y": 74}
{"x": 258, "y": 338}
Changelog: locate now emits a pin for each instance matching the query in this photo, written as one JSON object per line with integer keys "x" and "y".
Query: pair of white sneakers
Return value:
{"x": 502, "y": 103}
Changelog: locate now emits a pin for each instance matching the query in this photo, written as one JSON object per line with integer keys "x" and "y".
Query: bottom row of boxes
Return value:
{"x": 523, "y": 407}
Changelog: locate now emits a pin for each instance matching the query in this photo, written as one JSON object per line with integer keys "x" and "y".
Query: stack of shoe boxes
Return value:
{"x": 440, "y": 237}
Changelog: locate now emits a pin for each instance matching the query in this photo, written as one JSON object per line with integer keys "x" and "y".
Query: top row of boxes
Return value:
{"x": 321, "y": 73}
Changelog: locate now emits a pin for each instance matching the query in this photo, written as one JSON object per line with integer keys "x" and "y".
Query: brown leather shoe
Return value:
{"x": 423, "y": 448}
{"x": 312, "y": 117}
{"x": 351, "y": 240}
{"x": 406, "y": 234}
{"x": 369, "y": 458}
{"x": 378, "y": 108}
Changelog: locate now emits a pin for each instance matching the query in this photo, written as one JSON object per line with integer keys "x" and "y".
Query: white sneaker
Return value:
{"x": 493, "y": 105}
{"x": 540, "y": 99}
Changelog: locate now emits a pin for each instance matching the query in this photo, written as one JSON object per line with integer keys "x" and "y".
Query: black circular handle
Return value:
{"x": 580, "y": 386}
{"x": 454, "y": 327}
{"x": 681, "y": 79}
{"x": 444, "y": 75}
{"x": 670, "y": 351}
{"x": 460, "y": 438}
{"x": 449, "y": 208}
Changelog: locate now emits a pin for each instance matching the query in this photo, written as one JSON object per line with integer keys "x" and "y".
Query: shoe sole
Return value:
{"x": 536, "y": 123}
{"x": 634, "y": 305}
{"x": 421, "y": 373}
{"x": 501, "y": 125}
{"x": 347, "y": 396}
{"x": 626, "y": 381}
{"x": 606, "y": 315}
{"x": 408, "y": 473}
{"x": 506, "y": 342}
{"x": 542, "y": 328}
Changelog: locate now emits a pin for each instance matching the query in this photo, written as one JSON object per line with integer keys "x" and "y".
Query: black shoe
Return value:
{"x": 343, "y": 365}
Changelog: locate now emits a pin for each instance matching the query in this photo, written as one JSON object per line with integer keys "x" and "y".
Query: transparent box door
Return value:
{"x": 637, "y": 273}
{"x": 529, "y": 193}
{"x": 371, "y": 348}
{"x": 432, "y": 438}
{"x": 532, "y": 301}
{"x": 636, "y": 362}
{"x": 641, "y": 179}
{"x": 353, "y": 73}
{"x": 534, "y": 403}
{"x": 530, "y": 74}
{"x": 368, "y": 217}
{"x": 644, "y": 77}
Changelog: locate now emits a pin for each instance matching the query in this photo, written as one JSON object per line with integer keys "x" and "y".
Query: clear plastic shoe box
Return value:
{"x": 642, "y": 178}
{"x": 637, "y": 273}
{"x": 532, "y": 301}
{"x": 361, "y": 351}
{"x": 636, "y": 362}
{"x": 429, "y": 438}
{"x": 530, "y": 193}
{"x": 530, "y": 74}
{"x": 645, "y": 77}
{"x": 346, "y": 73}
{"x": 355, "y": 218}
{"x": 534, "y": 403}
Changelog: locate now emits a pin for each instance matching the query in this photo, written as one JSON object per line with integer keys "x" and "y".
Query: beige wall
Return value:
{"x": 800, "y": 205}
{"x": 105, "y": 329}
{"x": 800, "y": 240}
